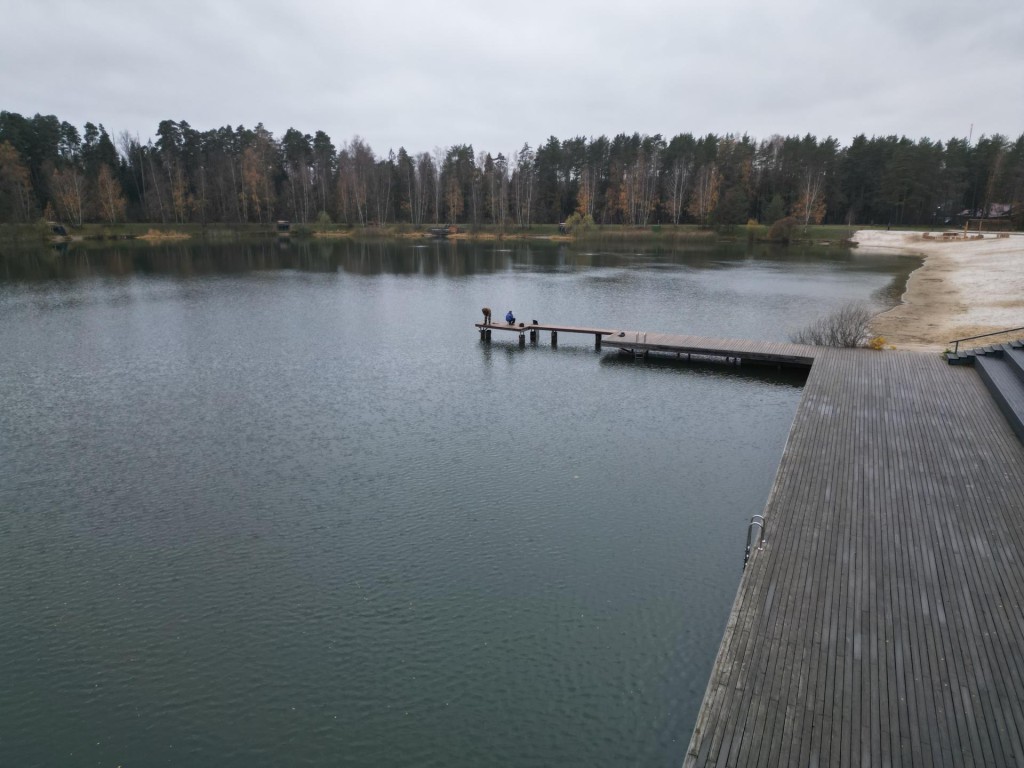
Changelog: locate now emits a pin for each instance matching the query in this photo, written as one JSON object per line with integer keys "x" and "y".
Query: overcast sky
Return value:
{"x": 422, "y": 74}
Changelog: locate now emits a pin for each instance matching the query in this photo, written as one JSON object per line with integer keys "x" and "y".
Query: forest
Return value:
{"x": 51, "y": 170}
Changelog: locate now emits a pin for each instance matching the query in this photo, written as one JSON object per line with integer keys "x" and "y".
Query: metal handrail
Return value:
{"x": 759, "y": 521}
{"x": 982, "y": 336}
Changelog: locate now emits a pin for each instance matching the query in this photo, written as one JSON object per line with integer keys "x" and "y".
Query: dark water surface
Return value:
{"x": 276, "y": 504}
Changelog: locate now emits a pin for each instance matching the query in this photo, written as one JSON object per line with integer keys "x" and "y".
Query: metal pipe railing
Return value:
{"x": 956, "y": 342}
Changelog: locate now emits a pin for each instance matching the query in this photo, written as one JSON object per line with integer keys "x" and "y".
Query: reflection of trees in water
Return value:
{"x": 180, "y": 259}
{"x": 452, "y": 258}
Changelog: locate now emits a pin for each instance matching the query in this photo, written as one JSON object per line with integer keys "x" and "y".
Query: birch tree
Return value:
{"x": 705, "y": 193}
{"x": 678, "y": 185}
{"x": 68, "y": 186}
{"x": 810, "y": 206}
{"x": 110, "y": 202}
{"x": 523, "y": 185}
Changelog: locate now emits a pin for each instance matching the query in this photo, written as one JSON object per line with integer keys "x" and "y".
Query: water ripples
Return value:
{"x": 254, "y": 520}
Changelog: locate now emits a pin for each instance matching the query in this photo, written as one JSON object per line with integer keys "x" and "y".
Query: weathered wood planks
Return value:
{"x": 882, "y": 624}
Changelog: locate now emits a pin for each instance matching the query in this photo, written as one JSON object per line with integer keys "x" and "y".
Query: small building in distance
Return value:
{"x": 997, "y": 217}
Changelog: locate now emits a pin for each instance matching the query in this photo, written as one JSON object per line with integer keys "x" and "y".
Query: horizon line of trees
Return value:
{"x": 238, "y": 175}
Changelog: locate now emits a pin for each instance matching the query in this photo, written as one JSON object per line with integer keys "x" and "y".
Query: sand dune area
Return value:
{"x": 965, "y": 287}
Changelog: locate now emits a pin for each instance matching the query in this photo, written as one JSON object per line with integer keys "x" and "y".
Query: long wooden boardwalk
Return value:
{"x": 883, "y": 622}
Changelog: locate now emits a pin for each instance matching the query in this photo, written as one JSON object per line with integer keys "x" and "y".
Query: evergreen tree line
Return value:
{"x": 240, "y": 175}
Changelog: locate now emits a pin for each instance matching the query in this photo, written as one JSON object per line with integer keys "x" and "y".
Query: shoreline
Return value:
{"x": 963, "y": 287}
{"x": 667, "y": 234}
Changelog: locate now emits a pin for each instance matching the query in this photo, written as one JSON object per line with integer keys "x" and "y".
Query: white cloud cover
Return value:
{"x": 425, "y": 74}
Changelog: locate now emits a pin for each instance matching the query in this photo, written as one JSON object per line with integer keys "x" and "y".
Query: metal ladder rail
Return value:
{"x": 759, "y": 521}
{"x": 638, "y": 353}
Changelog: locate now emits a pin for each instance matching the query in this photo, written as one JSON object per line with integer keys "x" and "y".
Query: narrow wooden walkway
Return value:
{"x": 534, "y": 329}
{"x": 586, "y": 329}
{"x": 883, "y": 622}
{"x": 701, "y": 346}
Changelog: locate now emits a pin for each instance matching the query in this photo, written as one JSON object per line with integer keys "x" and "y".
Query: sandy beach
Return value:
{"x": 964, "y": 288}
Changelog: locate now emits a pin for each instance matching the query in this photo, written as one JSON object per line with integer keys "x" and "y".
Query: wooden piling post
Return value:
{"x": 597, "y": 342}
{"x": 554, "y": 338}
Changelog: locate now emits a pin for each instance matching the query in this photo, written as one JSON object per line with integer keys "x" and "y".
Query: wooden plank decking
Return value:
{"x": 545, "y": 327}
{"x": 883, "y": 623}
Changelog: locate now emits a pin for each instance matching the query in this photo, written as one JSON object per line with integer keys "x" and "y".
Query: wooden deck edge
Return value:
{"x": 717, "y": 681}
{"x": 758, "y": 357}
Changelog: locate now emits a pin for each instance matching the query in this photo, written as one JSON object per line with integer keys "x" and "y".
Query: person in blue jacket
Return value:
{"x": 510, "y": 318}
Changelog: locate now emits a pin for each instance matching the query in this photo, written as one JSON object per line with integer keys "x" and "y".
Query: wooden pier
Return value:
{"x": 881, "y": 622}
{"x": 533, "y": 331}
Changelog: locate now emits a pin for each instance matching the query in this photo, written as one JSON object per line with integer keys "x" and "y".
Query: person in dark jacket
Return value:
{"x": 510, "y": 318}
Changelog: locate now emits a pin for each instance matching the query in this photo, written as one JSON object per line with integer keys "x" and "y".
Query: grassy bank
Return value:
{"x": 41, "y": 233}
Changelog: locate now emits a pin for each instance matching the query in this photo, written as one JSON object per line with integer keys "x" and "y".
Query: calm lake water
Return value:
{"x": 276, "y": 504}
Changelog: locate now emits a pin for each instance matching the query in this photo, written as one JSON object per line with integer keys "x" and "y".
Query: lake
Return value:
{"x": 275, "y": 503}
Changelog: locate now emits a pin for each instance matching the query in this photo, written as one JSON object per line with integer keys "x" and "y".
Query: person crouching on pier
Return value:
{"x": 510, "y": 318}
{"x": 487, "y": 315}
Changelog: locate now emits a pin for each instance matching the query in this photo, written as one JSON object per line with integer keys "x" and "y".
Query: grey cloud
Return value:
{"x": 420, "y": 74}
